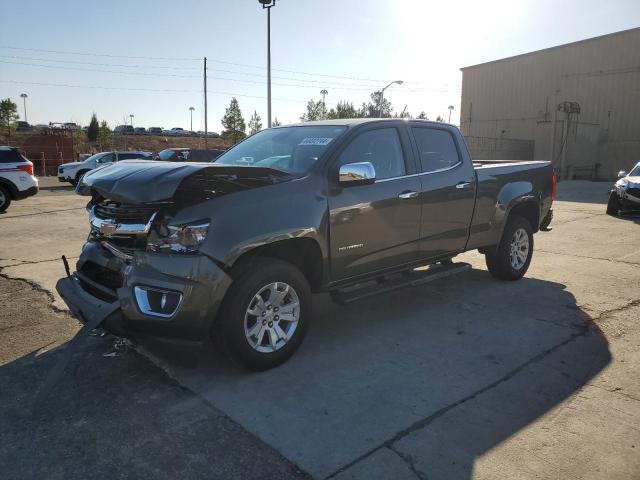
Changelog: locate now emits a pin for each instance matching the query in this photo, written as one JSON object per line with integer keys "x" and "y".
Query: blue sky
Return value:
{"x": 348, "y": 47}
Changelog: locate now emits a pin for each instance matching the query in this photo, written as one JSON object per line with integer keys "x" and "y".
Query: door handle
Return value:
{"x": 408, "y": 194}
{"x": 462, "y": 185}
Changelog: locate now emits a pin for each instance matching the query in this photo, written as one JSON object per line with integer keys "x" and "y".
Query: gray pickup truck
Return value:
{"x": 231, "y": 251}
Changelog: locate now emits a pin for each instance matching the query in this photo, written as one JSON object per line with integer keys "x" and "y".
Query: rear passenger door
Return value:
{"x": 376, "y": 226}
{"x": 448, "y": 191}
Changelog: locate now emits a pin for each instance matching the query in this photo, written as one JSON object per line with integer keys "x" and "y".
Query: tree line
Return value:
{"x": 235, "y": 128}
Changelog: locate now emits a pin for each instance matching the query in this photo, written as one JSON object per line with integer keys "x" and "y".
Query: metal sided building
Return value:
{"x": 577, "y": 104}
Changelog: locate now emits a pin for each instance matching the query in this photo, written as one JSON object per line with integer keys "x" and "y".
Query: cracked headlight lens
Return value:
{"x": 178, "y": 238}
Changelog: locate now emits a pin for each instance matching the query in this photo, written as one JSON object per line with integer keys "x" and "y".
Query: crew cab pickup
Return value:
{"x": 232, "y": 250}
{"x": 17, "y": 181}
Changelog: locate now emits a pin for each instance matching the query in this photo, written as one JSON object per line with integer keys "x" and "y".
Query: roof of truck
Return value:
{"x": 350, "y": 122}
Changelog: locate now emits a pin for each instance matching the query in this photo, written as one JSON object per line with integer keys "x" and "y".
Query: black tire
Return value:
{"x": 498, "y": 259}
{"x": 79, "y": 176}
{"x": 229, "y": 329}
{"x": 613, "y": 205}
{"x": 5, "y": 198}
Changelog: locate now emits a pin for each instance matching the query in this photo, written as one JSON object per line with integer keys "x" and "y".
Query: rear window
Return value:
{"x": 436, "y": 148}
{"x": 11, "y": 156}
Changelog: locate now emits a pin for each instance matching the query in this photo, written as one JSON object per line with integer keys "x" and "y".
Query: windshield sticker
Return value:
{"x": 322, "y": 141}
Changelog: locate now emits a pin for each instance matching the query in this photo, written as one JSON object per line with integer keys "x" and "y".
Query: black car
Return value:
{"x": 189, "y": 155}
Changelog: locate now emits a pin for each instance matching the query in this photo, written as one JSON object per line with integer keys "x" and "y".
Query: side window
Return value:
{"x": 108, "y": 158}
{"x": 128, "y": 156}
{"x": 436, "y": 148}
{"x": 382, "y": 148}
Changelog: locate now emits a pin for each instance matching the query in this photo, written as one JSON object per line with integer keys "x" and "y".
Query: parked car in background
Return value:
{"x": 232, "y": 250}
{"x": 73, "y": 172}
{"x": 139, "y": 131}
{"x": 71, "y": 126}
{"x": 123, "y": 130}
{"x": 154, "y": 130}
{"x": 16, "y": 177}
{"x": 625, "y": 194}
{"x": 189, "y": 155}
{"x": 176, "y": 132}
{"x": 23, "y": 127}
{"x": 41, "y": 126}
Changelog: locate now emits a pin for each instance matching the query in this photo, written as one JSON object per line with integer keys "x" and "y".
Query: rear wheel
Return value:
{"x": 511, "y": 258}
{"x": 613, "y": 205}
{"x": 5, "y": 198}
{"x": 265, "y": 315}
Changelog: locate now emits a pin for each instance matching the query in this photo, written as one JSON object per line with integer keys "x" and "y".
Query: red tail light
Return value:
{"x": 26, "y": 168}
{"x": 554, "y": 189}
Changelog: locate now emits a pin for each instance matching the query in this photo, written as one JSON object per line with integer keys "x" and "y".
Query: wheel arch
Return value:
{"x": 8, "y": 184}
{"x": 304, "y": 253}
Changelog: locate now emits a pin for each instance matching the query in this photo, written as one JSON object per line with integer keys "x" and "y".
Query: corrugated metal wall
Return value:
{"x": 517, "y": 98}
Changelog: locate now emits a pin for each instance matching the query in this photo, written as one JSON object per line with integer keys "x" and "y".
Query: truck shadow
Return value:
{"x": 441, "y": 373}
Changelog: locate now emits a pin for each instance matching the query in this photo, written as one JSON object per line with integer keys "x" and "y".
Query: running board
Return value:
{"x": 410, "y": 278}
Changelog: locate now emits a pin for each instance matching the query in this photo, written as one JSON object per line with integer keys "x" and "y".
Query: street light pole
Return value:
{"x": 323, "y": 92}
{"x": 191, "y": 109}
{"x": 451, "y": 107}
{"x": 131, "y": 115}
{"x": 268, "y": 4}
{"x": 399, "y": 82}
{"x": 24, "y": 104}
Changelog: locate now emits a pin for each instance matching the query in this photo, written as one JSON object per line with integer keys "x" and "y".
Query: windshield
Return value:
{"x": 635, "y": 172}
{"x": 166, "y": 154}
{"x": 94, "y": 157}
{"x": 289, "y": 149}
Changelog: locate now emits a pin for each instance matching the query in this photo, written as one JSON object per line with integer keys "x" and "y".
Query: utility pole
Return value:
{"x": 268, "y": 4}
{"x": 191, "y": 109}
{"x": 206, "y": 131}
{"x": 24, "y": 104}
{"x": 131, "y": 115}
{"x": 451, "y": 107}
{"x": 323, "y": 92}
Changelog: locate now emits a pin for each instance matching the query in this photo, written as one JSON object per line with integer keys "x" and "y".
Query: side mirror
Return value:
{"x": 622, "y": 173}
{"x": 361, "y": 173}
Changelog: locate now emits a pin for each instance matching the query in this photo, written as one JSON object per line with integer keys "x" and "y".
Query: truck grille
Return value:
{"x": 635, "y": 192}
{"x": 102, "y": 275}
{"x": 125, "y": 213}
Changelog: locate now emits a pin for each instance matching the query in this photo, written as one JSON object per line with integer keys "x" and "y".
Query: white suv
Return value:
{"x": 73, "y": 172}
{"x": 16, "y": 177}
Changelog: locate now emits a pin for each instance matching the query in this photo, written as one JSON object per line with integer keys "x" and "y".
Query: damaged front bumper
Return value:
{"x": 174, "y": 296}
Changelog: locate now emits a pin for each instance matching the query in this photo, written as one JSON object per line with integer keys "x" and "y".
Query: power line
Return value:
{"x": 195, "y": 76}
{"x": 244, "y": 65}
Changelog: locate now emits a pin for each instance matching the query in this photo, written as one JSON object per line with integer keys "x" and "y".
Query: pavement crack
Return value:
{"x": 408, "y": 459}
{"x": 586, "y": 257}
{"x": 39, "y": 288}
{"x": 42, "y": 212}
{"x": 422, "y": 423}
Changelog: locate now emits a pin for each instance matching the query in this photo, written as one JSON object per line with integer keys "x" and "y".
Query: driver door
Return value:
{"x": 375, "y": 226}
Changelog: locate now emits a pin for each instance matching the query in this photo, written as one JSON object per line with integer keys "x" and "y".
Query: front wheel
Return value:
{"x": 265, "y": 315}
{"x": 5, "y": 199}
{"x": 511, "y": 258}
{"x": 613, "y": 205}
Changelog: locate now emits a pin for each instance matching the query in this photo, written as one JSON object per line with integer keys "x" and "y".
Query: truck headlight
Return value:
{"x": 177, "y": 238}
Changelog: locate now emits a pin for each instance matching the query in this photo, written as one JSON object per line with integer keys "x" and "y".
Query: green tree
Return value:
{"x": 233, "y": 123}
{"x": 104, "y": 137}
{"x": 255, "y": 123}
{"x": 94, "y": 127}
{"x": 422, "y": 116}
{"x": 439, "y": 119}
{"x": 343, "y": 109}
{"x": 314, "y": 111}
{"x": 275, "y": 122}
{"x": 8, "y": 114}
{"x": 377, "y": 107}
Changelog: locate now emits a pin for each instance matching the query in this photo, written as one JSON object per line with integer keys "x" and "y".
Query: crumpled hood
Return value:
{"x": 146, "y": 181}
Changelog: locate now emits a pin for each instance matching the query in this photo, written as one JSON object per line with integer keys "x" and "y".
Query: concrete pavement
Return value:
{"x": 468, "y": 377}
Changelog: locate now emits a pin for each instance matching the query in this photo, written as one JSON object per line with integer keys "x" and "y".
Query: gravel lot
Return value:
{"x": 465, "y": 378}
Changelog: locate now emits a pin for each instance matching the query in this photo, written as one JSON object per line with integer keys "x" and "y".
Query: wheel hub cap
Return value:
{"x": 519, "y": 248}
{"x": 272, "y": 317}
